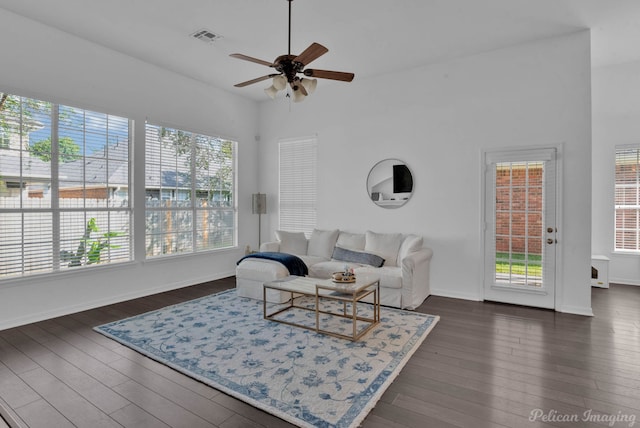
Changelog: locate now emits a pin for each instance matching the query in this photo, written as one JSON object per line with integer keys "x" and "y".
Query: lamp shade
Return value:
{"x": 271, "y": 91}
{"x": 259, "y": 203}
{"x": 298, "y": 96}
{"x": 279, "y": 82}
{"x": 309, "y": 84}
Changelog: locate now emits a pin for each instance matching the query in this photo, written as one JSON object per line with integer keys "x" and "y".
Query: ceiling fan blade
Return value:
{"x": 251, "y": 59}
{"x": 314, "y": 51}
{"x": 259, "y": 79}
{"x": 327, "y": 74}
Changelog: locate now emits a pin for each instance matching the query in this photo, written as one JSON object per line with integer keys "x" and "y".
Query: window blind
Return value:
{"x": 190, "y": 187}
{"x": 64, "y": 187}
{"x": 520, "y": 207}
{"x": 298, "y": 184}
{"x": 519, "y": 218}
{"x": 627, "y": 199}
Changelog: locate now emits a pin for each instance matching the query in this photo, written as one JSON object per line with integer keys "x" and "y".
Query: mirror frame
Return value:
{"x": 381, "y": 178}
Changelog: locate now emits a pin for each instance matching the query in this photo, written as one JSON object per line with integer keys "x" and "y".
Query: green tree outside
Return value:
{"x": 68, "y": 150}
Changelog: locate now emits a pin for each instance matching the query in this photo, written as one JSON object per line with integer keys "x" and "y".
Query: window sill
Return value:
{"x": 167, "y": 257}
{"x": 67, "y": 272}
{"x": 520, "y": 289}
{"x": 626, "y": 253}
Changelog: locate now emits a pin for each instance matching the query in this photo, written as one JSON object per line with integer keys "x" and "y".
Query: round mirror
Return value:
{"x": 390, "y": 183}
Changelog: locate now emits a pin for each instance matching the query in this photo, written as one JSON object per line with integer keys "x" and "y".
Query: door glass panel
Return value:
{"x": 518, "y": 229}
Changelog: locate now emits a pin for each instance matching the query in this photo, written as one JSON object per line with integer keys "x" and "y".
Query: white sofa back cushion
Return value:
{"x": 385, "y": 245}
{"x": 322, "y": 242}
{"x": 410, "y": 244}
{"x": 292, "y": 242}
{"x": 351, "y": 241}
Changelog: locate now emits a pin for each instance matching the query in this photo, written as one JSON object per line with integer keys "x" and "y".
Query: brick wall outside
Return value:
{"x": 88, "y": 193}
{"x": 519, "y": 209}
{"x": 75, "y": 193}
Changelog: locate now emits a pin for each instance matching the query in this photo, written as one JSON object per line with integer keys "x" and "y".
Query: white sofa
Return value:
{"x": 404, "y": 274}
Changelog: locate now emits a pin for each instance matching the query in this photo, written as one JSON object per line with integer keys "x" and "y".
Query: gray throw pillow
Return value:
{"x": 345, "y": 255}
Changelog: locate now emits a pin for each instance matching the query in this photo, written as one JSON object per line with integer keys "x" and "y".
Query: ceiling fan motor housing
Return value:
{"x": 286, "y": 65}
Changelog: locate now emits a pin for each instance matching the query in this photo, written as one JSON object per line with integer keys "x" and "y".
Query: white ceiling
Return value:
{"x": 366, "y": 37}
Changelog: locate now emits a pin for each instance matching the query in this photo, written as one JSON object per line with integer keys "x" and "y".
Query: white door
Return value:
{"x": 520, "y": 227}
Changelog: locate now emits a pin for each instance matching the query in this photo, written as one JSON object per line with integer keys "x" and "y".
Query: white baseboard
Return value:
{"x": 576, "y": 310}
{"x": 58, "y": 312}
{"x": 455, "y": 295}
{"x": 627, "y": 281}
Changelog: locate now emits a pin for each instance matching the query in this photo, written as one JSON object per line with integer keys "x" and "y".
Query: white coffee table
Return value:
{"x": 326, "y": 289}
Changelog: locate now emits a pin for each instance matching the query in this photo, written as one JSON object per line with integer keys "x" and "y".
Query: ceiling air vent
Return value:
{"x": 206, "y": 36}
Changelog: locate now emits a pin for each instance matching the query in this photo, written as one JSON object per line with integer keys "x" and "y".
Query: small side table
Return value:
{"x": 600, "y": 271}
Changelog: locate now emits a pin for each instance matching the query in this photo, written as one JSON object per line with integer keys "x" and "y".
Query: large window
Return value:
{"x": 64, "y": 187}
{"x": 627, "y": 199}
{"x": 189, "y": 185}
{"x": 298, "y": 185}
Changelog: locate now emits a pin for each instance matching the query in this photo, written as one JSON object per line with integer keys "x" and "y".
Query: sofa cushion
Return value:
{"x": 322, "y": 242}
{"x": 261, "y": 270}
{"x": 410, "y": 244}
{"x": 345, "y": 255}
{"x": 385, "y": 245}
{"x": 312, "y": 260}
{"x": 390, "y": 276}
{"x": 292, "y": 242}
{"x": 351, "y": 241}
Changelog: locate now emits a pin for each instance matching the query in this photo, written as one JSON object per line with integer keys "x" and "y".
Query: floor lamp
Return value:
{"x": 259, "y": 206}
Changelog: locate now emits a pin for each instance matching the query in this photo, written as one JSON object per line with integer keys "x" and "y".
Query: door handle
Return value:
{"x": 551, "y": 241}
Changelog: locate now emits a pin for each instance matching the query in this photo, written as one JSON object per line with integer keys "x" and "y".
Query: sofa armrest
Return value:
{"x": 415, "y": 278}
{"x": 270, "y": 246}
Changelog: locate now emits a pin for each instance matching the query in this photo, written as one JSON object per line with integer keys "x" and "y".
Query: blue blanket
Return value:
{"x": 294, "y": 264}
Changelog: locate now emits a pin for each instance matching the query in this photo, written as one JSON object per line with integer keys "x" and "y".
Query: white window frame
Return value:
{"x": 298, "y": 184}
{"x": 619, "y": 246}
{"x": 187, "y": 206}
{"x": 53, "y": 245}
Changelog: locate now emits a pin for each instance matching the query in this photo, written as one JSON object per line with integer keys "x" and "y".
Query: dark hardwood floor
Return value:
{"x": 484, "y": 365}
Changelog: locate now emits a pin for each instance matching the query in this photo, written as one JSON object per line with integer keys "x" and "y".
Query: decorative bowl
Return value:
{"x": 341, "y": 277}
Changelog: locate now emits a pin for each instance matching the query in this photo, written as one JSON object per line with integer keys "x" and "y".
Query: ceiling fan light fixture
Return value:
{"x": 271, "y": 91}
{"x": 309, "y": 84}
{"x": 298, "y": 96}
{"x": 280, "y": 82}
{"x": 289, "y": 66}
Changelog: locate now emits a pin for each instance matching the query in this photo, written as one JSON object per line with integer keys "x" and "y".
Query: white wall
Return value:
{"x": 616, "y": 109}
{"x": 45, "y": 63}
{"x": 438, "y": 119}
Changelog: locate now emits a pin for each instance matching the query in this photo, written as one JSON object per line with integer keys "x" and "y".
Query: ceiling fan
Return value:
{"x": 288, "y": 66}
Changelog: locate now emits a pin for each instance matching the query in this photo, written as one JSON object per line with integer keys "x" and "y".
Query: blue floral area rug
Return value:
{"x": 303, "y": 377}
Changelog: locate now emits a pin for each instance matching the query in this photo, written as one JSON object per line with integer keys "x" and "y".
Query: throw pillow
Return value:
{"x": 351, "y": 241}
{"x": 345, "y": 255}
{"x": 322, "y": 242}
{"x": 385, "y": 245}
{"x": 292, "y": 242}
{"x": 410, "y": 244}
